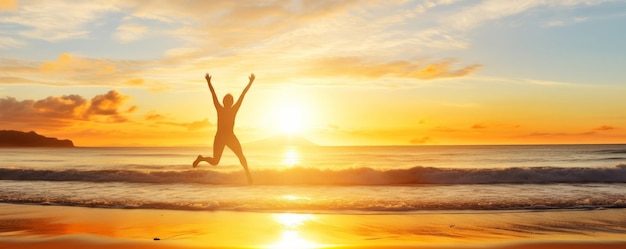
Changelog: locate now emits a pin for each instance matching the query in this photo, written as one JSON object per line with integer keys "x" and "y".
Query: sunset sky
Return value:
{"x": 131, "y": 73}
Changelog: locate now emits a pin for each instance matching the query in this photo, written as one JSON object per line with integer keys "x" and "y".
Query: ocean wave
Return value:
{"x": 332, "y": 206}
{"x": 618, "y": 151}
{"x": 352, "y": 176}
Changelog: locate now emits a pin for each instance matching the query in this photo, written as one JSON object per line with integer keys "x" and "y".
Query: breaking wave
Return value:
{"x": 353, "y": 176}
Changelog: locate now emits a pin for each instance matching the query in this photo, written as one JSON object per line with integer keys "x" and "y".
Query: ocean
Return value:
{"x": 322, "y": 180}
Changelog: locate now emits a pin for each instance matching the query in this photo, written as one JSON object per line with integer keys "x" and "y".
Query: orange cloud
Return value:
{"x": 62, "y": 111}
{"x": 604, "y": 128}
{"x": 14, "y": 110}
{"x": 478, "y": 126}
{"x": 67, "y": 106}
{"x": 196, "y": 125}
{"x": 107, "y": 105}
{"x": 53, "y": 111}
{"x": 353, "y": 66}
{"x": 152, "y": 115}
{"x": 442, "y": 70}
{"x": 8, "y": 5}
{"x": 132, "y": 109}
{"x": 444, "y": 129}
{"x": 558, "y": 134}
{"x": 135, "y": 82}
{"x": 66, "y": 63}
{"x": 421, "y": 140}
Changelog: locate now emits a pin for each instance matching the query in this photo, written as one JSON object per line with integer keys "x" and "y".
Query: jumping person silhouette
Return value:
{"x": 225, "y": 136}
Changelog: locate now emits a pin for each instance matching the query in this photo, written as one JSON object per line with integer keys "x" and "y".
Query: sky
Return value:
{"x": 389, "y": 72}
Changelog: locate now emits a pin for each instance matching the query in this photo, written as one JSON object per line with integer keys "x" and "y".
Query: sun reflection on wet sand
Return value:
{"x": 291, "y": 157}
{"x": 291, "y": 238}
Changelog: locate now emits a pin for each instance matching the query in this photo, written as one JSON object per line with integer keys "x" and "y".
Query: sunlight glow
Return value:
{"x": 292, "y": 220}
{"x": 291, "y": 238}
{"x": 290, "y": 119}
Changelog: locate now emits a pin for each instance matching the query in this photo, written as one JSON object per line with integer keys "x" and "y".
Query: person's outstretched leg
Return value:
{"x": 235, "y": 146}
{"x": 218, "y": 149}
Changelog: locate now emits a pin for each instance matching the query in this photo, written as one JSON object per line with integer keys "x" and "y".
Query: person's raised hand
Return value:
{"x": 251, "y": 77}
{"x": 207, "y": 76}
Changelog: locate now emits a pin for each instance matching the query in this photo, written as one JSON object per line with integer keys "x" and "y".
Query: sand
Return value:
{"x": 35, "y": 226}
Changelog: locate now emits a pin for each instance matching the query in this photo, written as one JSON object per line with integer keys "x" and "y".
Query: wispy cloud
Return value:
{"x": 72, "y": 70}
{"x": 494, "y": 125}
{"x": 605, "y": 128}
{"x": 129, "y": 32}
{"x": 537, "y": 82}
{"x": 66, "y": 63}
{"x": 478, "y": 126}
{"x": 192, "y": 126}
{"x": 9, "y": 42}
{"x": 484, "y": 11}
{"x": 56, "y": 20}
{"x": 549, "y": 83}
{"x": 421, "y": 140}
{"x": 154, "y": 116}
{"x": 559, "y": 134}
{"x": 359, "y": 67}
{"x": 8, "y": 5}
{"x": 564, "y": 22}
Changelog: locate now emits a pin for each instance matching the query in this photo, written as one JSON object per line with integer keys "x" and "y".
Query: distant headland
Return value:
{"x": 10, "y": 138}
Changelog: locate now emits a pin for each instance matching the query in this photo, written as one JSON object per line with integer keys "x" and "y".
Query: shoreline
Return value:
{"x": 35, "y": 226}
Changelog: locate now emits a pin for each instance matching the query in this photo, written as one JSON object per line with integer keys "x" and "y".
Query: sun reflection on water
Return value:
{"x": 291, "y": 157}
{"x": 291, "y": 238}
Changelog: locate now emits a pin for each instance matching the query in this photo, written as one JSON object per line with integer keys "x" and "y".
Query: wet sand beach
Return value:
{"x": 36, "y": 226}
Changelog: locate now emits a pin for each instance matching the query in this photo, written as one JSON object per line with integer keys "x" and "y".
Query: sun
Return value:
{"x": 290, "y": 119}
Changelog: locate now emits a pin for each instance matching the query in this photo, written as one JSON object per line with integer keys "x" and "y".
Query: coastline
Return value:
{"x": 34, "y": 226}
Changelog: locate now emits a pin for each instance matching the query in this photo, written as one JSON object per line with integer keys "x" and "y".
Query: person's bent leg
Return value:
{"x": 218, "y": 149}
{"x": 235, "y": 146}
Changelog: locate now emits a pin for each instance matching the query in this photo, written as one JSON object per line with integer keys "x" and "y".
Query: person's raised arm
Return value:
{"x": 245, "y": 90}
{"x": 215, "y": 101}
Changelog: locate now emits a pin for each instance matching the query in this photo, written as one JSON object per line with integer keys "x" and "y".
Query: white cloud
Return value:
{"x": 474, "y": 16}
{"x": 129, "y": 32}
{"x": 549, "y": 83}
{"x": 537, "y": 82}
{"x": 429, "y": 4}
{"x": 8, "y": 42}
{"x": 488, "y": 10}
{"x": 557, "y": 23}
{"x": 56, "y": 20}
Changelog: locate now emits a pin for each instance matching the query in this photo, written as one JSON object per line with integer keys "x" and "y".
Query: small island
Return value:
{"x": 9, "y": 138}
